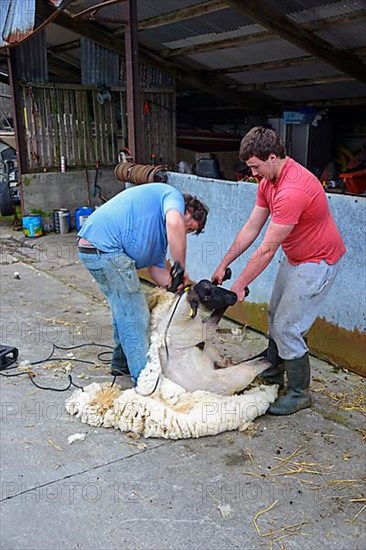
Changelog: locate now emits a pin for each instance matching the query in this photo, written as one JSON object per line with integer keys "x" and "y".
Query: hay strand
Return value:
{"x": 293, "y": 529}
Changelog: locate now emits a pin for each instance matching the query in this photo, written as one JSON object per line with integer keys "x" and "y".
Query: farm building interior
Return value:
{"x": 243, "y": 428}
{"x": 177, "y": 84}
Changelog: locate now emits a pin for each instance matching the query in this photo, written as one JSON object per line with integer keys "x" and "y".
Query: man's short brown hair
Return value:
{"x": 261, "y": 142}
{"x": 198, "y": 210}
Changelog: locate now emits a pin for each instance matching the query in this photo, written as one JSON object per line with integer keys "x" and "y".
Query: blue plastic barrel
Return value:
{"x": 81, "y": 215}
{"x": 32, "y": 225}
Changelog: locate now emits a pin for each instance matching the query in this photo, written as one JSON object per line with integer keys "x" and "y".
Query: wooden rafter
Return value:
{"x": 311, "y": 26}
{"x": 179, "y": 15}
{"x": 66, "y": 46}
{"x": 92, "y": 10}
{"x": 300, "y": 83}
{"x": 296, "y": 34}
{"x": 336, "y": 102}
{"x": 86, "y": 29}
{"x": 280, "y": 64}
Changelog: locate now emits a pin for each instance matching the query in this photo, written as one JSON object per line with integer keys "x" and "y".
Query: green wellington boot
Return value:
{"x": 275, "y": 374}
{"x": 298, "y": 381}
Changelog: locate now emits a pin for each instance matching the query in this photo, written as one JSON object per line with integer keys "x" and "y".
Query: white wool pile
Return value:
{"x": 172, "y": 413}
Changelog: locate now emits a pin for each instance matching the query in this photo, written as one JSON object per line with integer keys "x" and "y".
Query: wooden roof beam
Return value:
{"x": 280, "y": 64}
{"x": 179, "y": 15}
{"x": 301, "y": 37}
{"x": 312, "y": 26}
{"x": 65, "y": 47}
{"x": 263, "y": 86}
{"x": 336, "y": 102}
{"x": 88, "y": 30}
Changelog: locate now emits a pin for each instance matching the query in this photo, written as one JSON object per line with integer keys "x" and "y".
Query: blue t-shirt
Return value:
{"x": 134, "y": 221}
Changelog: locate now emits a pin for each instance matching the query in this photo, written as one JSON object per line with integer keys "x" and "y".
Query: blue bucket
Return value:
{"x": 32, "y": 225}
{"x": 81, "y": 215}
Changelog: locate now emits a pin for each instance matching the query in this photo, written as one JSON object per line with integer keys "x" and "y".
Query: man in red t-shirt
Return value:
{"x": 302, "y": 224}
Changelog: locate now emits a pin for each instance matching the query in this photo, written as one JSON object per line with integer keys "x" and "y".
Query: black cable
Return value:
{"x": 44, "y": 360}
{"x": 84, "y": 345}
{"x": 169, "y": 322}
{"x": 31, "y": 375}
{"x": 12, "y": 375}
{"x": 71, "y": 383}
{"x": 73, "y": 359}
{"x": 99, "y": 356}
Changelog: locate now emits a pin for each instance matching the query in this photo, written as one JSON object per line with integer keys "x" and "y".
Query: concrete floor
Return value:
{"x": 111, "y": 491}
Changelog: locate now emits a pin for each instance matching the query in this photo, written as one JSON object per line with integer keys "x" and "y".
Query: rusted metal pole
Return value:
{"x": 17, "y": 103}
{"x": 134, "y": 110}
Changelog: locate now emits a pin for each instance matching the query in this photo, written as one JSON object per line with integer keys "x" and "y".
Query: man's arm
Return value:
{"x": 176, "y": 234}
{"x": 273, "y": 238}
{"x": 160, "y": 275}
{"x": 246, "y": 236}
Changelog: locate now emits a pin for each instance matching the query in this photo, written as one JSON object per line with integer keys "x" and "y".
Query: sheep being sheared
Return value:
{"x": 179, "y": 341}
{"x": 194, "y": 398}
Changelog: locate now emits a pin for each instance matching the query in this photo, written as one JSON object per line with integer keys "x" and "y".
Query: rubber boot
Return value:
{"x": 298, "y": 381}
{"x": 119, "y": 362}
{"x": 275, "y": 374}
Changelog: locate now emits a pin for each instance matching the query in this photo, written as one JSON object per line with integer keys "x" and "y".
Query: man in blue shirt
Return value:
{"x": 134, "y": 230}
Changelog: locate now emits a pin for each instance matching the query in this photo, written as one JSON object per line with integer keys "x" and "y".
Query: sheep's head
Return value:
{"x": 212, "y": 298}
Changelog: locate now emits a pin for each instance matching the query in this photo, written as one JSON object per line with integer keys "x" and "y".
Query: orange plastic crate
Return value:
{"x": 355, "y": 182}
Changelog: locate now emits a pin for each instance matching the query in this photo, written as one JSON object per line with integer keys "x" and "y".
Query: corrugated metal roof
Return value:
{"x": 198, "y": 29}
{"x": 219, "y": 25}
{"x": 322, "y": 11}
{"x": 224, "y": 23}
{"x": 16, "y": 20}
{"x": 347, "y": 36}
{"x": 270, "y": 50}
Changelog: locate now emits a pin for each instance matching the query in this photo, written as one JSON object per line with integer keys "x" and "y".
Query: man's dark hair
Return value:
{"x": 261, "y": 142}
{"x": 198, "y": 210}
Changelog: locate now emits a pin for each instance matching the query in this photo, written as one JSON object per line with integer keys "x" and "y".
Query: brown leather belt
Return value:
{"x": 90, "y": 250}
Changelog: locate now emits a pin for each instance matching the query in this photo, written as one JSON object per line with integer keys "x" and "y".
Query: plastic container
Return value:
{"x": 81, "y": 215}
{"x": 61, "y": 220}
{"x": 355, "y": 182}
{"x": 32, "y": 226}
{"x": 208, "y": 168}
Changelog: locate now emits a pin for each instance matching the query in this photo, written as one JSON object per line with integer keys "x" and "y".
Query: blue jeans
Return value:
{"x": 117, "y": 278}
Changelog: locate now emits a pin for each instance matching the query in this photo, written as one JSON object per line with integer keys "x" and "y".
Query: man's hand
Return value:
{"x": 184, "y": 283}
{"x": 239, "y": 291}
{"x": 178, "y": 278}
{"x": 218, "y": 275}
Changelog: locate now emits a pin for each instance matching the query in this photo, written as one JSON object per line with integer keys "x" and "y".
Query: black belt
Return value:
{"x": 90, "y": 250}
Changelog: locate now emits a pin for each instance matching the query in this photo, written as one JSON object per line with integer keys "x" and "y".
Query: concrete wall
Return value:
{"x": 72, "y": 189}
{"x": 339, "y": 332}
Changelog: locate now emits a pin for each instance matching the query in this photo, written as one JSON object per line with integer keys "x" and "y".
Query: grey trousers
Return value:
{"x": 297, "y": 296}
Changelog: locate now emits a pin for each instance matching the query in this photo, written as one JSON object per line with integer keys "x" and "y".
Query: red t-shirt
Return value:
{"x": 298, "y": 198}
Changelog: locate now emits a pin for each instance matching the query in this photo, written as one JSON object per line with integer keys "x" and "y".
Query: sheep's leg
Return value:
{"x": 194, "y": 370}
{"x": 236, "y": 378}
